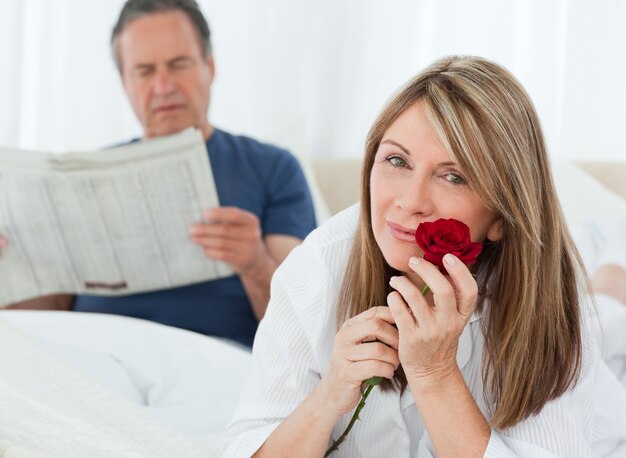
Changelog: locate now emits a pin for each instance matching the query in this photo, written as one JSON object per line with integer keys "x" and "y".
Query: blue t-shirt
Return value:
{"x": 257, "y": 177}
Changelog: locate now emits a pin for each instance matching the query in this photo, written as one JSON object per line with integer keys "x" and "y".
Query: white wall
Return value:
{"x": 313, "y": 75}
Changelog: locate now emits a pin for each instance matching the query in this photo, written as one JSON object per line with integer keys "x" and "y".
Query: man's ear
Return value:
{"x": 495, "y": 231}
{"x": 211, "y": 64}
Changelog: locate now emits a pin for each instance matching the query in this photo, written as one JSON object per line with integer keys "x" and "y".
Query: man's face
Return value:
{"x": 164, "y": 73}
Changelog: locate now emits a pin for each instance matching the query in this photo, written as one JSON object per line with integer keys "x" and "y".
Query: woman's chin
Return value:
{"x": 401, "y": 264}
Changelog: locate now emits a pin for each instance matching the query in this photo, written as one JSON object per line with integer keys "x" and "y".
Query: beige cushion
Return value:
{"x": 339, "y": 182}
{"x": 583, "y": 198}
{"x": 611, "y": 174}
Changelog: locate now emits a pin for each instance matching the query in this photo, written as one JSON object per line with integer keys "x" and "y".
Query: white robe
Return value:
{"x": 293, "y": 347}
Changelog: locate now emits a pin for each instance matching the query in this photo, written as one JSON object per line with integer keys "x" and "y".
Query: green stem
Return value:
{"x": 425, "y": 290}
{"x": 353, "y": 420}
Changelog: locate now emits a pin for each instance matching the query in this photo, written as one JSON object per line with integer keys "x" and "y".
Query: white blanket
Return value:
{"x": 48, "y": 408}
{"x": 107, "y": 385}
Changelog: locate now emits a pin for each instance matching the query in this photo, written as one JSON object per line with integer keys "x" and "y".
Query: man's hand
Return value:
{"x": 232, "y": 235}
{"x": 3, "y": 244}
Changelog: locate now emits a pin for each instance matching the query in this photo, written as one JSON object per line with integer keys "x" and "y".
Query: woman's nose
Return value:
{"x": 416, "y": 196}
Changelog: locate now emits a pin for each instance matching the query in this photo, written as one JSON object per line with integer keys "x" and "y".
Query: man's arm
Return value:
{"x": 49, "y": 302}
{"x": 233, "y": 235}
{"x": 257, "y": 283}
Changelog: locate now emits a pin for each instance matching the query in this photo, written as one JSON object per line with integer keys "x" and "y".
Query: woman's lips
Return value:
{"x": 401, "y": 232}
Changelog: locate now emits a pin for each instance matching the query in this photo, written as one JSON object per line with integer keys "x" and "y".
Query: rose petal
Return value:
{"x": 444, "y": 236}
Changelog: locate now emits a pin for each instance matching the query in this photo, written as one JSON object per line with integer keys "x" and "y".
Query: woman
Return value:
{"x": 495, "y": 362}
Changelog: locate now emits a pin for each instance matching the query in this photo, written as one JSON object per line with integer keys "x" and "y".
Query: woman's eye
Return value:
{"x": 396, "y": 161}
{"x": 454, "y": 178}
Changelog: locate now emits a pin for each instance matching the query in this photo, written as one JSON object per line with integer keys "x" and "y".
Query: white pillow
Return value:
{"x": 583, "y": 198}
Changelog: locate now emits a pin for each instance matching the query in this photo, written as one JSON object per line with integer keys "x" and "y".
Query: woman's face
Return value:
{"x": 413, "y": 180}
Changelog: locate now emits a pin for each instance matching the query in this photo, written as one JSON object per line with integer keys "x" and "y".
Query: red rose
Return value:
{"x": 444, "y": 236}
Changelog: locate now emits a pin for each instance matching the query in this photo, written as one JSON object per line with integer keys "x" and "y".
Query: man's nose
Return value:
{"x": 417, "y": 196}
{"x": 163, "y": 83}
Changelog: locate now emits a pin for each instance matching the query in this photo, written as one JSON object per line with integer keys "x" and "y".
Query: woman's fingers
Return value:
{"x": 463, "y": 283}
{"x": 454, "y": 294}
{"x": 369, "y": 314}
{"x": 400, "y": 310}
{"x": 371, "y": 331}
{"x": 371, "y": 325}
{"x": 368, "y": 345}
{"x": 363, "y": 370}
{"x": 373, "y": 351}
{"x": 414, "y": 299}
{"x": 443, "y": 293}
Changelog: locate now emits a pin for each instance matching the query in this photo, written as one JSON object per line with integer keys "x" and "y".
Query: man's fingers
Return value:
{"x": 3, "y": 242}
{"x": 218, "y": 254}
{"x": 225, "y": 231}
{"x": 214, "y": 243}
{"x": 230, "y": 215}
{"x": 227, "y": 222}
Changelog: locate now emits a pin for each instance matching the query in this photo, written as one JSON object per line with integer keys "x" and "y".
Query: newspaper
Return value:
{"x": 110, "y": 222}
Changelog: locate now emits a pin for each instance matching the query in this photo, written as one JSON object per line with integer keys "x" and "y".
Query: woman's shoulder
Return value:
{"x": 319, "y": 262}
{"x": 337, "y": 230}
{"x": 305, "y": 286}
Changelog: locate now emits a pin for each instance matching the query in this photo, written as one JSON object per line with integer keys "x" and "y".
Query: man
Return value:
{"x": 162, "y": 50}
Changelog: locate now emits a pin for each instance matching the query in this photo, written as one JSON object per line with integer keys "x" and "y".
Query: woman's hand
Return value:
{"x": 365, "y": 346}
{"x": 429, "y": 335}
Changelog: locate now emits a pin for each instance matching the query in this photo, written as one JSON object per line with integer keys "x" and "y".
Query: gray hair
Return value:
{"x": 134, "y": 9}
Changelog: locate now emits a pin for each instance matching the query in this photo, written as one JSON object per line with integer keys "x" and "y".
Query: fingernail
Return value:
{"x": 392, "y": 280}
{"x": 449, "y": 259}
{"x": 414, "y": 262}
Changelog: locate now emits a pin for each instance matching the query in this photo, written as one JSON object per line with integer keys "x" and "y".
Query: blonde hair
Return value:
{"x": 531, "y": 277}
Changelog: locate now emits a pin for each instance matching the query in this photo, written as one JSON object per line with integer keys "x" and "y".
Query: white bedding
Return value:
{"x": 187, "y": 381}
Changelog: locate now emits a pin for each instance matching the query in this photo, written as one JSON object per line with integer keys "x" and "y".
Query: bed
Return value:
{"x": 181, "y": 386}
